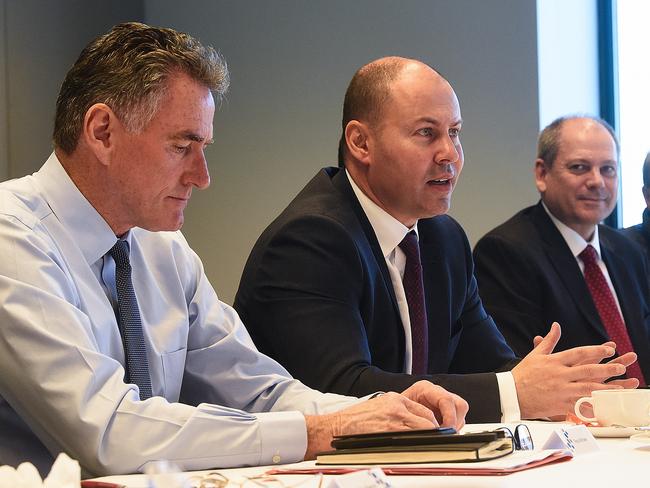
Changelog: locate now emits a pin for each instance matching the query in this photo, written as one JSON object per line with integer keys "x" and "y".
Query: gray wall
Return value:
{"x": 43, "y": 39}
{"x": 291, "y": 61}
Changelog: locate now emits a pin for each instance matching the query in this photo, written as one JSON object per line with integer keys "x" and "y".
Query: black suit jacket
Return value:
{"x": 640, "y": 233}
{"x": 316, "y": 295}
{"x": 529, "y": 278}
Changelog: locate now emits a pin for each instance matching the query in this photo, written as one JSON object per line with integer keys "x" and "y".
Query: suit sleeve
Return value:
{"x": 302, "y": 296}
{"x": 510, "y": 292}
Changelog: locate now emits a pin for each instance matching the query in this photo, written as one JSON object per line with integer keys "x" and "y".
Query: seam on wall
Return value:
{"x": 5, "y": 165}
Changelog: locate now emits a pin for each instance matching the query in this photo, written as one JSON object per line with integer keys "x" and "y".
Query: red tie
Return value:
{"x": 414, "y": 290}
{"x": 607, "y": 309}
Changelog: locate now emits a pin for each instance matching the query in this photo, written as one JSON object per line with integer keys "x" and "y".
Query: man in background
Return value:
{"x": 553, "y": 261}
{"x": 114, "y": 347}
{"x": 363, "y": 283}
{"x": 641, "y": 232}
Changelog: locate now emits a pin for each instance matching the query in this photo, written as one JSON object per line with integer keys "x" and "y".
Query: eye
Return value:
{"x": 578, "y": 168}
{"x": 425, "y": 131}
{"x": 608, "y": 171}
{"x": 454, "y": 132}
{"x": 181, "y": 149}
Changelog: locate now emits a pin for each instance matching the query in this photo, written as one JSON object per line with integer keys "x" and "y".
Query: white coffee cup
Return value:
{"x": 630, "y": 408}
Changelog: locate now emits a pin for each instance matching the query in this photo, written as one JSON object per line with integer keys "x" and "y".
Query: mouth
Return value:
{"x": 594, "y": 199}
{"x": 180, "y": 199}
{"x": 446, "y": 181}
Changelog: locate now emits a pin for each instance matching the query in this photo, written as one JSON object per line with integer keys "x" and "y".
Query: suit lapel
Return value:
{"x": 567, "y": 268}
{"x": 341, "y": 183}
{"x": 625, "y": 288}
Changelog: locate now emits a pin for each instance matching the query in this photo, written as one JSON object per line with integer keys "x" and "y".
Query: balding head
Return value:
{"x": 369, "y": 92}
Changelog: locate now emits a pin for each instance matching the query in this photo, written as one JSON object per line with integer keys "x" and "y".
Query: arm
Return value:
{"x": 67, "y": 384}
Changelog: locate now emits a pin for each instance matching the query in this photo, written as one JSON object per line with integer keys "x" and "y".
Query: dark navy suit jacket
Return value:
{"x": 529, "y": 278}
{"x": 316, "y": 295}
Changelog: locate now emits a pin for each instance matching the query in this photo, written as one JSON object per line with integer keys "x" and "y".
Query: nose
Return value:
{"x": 197, "y": 174}
{"x": 448, "y": 152}
{"x": 596, "y": 179}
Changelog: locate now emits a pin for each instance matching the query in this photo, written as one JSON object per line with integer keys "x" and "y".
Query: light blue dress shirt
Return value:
{"x": 218, "y": 401}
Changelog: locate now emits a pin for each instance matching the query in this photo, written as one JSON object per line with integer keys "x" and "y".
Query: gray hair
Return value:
{"x": 128, "y": 69}
{"x": 548, "y": 143}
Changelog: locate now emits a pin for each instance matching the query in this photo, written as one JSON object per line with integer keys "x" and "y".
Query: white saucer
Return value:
{"x": 619, "y": 431}
{"x": 643, "y": 438}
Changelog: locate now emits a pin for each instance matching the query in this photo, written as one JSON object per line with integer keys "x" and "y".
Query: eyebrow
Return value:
{"x": 437, "y": 122}
{"x": 189, "y": 135}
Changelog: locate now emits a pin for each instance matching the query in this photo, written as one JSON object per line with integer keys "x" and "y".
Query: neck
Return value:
{"x": 94, "y": 182}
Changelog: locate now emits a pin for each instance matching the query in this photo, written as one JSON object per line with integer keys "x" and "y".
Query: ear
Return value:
{"x": 646, "y": 195}
{"x": 98, "y": 132}
{"x": 356, "y": 137}
{"x": 541, "y": 171}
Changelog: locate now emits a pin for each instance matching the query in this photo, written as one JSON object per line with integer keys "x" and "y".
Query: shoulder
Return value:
{"x": 636, "y": 234}
{"x": 519, "y": 231}
{"x": 320, "y": 211}
{"x": 621, "y": 242}
{"x": 20, "y": 201}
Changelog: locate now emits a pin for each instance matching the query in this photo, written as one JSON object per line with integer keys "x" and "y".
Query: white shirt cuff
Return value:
{"x": 508, "y": 395}
{"x": 283, "y": 436}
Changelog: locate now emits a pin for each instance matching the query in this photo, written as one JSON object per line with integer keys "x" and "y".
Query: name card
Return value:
{"x": 369, "y": 478}
{"x": 575, "y": 438}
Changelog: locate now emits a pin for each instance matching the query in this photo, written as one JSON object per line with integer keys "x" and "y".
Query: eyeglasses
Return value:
{"x": 521, "y": 437}
{"x": 215, "y": 479}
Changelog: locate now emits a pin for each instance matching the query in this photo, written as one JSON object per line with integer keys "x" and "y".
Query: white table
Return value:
{"x": 619, "y": 463}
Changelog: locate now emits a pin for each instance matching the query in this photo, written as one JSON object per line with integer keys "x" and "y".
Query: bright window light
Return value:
{"x": 634, "y": 102}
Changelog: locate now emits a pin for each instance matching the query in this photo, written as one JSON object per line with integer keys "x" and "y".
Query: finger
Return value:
{"x": 462, "y": 407}
{"x": 537, "y": 340}
{"x": 447, "y": 412}
{"x": 420, "y": 411}
{"x": 626, "y": 359}
{"x": 550, "y": 340}
{"x": 591, "y": 360}
{"x": 577, "y": 356}
{"x": 594, "y": 372}
{"x": 628, "y": 383}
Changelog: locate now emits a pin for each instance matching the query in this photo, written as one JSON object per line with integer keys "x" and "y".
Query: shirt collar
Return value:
{"x": 574, "y": 240}
{"x": 92, "y": 233}
{"x": 389, "y": 231}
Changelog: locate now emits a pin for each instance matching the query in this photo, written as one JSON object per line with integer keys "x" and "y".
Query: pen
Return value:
{"x": 100, "y": 484}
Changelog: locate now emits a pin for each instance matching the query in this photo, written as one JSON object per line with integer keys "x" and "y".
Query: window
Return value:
{"x": 631, "y": 49}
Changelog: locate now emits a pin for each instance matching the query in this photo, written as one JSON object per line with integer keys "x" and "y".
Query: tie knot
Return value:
{"x": 410, "y": 245}
{"x": 120, "y": 254}
{"x": 589, "y": 255}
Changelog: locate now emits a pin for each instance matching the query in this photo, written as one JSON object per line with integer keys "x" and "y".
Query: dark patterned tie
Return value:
{"x": 414, "y": 290}
{"x": 137, "y": 366}
{"x": 607, "y": 309}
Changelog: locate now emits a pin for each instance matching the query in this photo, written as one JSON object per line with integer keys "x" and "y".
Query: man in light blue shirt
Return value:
{"x": 133, "y": 118}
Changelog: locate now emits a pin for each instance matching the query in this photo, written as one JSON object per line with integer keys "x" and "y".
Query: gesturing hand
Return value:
{"x": 548, "y": 384}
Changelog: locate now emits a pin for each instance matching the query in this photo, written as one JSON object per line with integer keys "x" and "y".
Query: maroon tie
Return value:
{"x": 414, "y": 290}
{"x": 607, "y": 309}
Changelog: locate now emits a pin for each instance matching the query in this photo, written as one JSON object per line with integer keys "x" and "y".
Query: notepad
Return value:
{"x": 417, "y": 447}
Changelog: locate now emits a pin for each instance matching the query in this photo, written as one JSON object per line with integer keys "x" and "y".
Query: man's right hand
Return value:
{"x": 387, "y": 412}
{"x": 548, "y": 384}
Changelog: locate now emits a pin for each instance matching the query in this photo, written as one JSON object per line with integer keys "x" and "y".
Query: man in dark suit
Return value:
{"x": 640, "y": 233}
{"x": 322, "y": 291}
{"x": 535, "y": 268}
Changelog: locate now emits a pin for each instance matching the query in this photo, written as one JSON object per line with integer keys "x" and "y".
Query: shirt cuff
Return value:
{"x": 284, "y": 437}
{"x": 508, "y": 395}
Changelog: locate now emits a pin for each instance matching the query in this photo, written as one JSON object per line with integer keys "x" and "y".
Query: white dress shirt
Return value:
{"x": 390, "y": 232}
{"x": 218, "y": 401}
{"x": 577, "y": 244}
